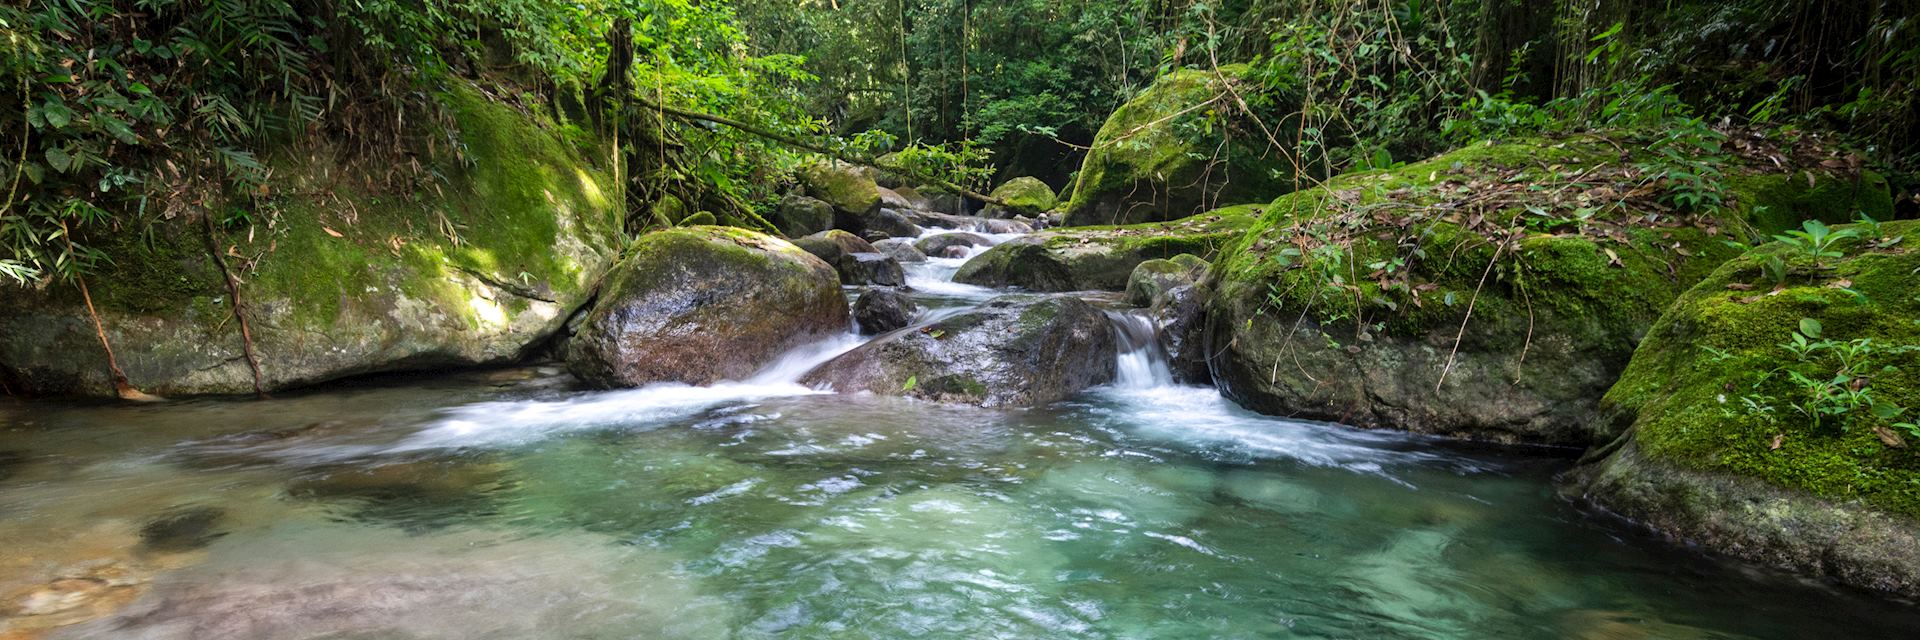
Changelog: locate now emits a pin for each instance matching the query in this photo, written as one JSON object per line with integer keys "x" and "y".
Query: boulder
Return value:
{"x": 1024, "y": 196}
{"x": 1101, "y": 258}
{"x": 849, "y": 189}
{"x": 881, "y": 310}
{"x": 1719, "y": 444}
{"x": 901, "y": 249}
{"x": 1150, "y": 282}
{"x": 909, "y": 197}
{"x": 699, "y": 305}
{"x": 1150, "y": 162}
{"x": 936, "y": 243}
{"x": 1474, "y": 306}
{"x": 330, "y": 295}
{"x": 1013, "y": 350}
{"x": 855, "y": 260}
{"x": 870, "y": 268}
{"x": 829, "y": 245}
{"x": 799, "y": 216}
{"x": 890, "y": 223}
{"x": 953, "y": 251}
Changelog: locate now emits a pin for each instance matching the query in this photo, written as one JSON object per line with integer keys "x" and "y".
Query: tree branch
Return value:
{"x": 817, "y": 148}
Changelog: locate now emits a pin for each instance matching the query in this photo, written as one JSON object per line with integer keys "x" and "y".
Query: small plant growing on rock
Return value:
{"x": 1818, "y": 241}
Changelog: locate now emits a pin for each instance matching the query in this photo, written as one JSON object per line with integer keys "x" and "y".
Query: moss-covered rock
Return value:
{"x": 850, "y": 189}
{"x": 703, "y": 304}
{"x": 799, "y": 216}
{"x": 1025, "y": 196}
{"x": 349, "y": 279}
{"x": 1013, "y": 350}
{"x": 1157, "y": 157}
{"x": 1493, "y": 293}
{"x": 1102, "y": 258}
{"x": 1150, "y": 282}
{"x": 1720, "y": 444}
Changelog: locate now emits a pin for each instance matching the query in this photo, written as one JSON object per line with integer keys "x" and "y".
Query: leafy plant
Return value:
{"x": 1817, "y": 241}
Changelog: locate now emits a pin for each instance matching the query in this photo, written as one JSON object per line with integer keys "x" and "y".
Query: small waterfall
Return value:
{"x": 1142, "y": 363}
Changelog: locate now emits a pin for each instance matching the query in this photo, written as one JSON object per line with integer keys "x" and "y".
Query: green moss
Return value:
{"x": 518, "y": 191}
{"x": 1154, "y": 160}
{"x": 845, "y": 187}
{"x": 1683, "y": 392}
{"x": 153, "y": 270}
{"x": 1027, "y": 195}
{"x": 1776, "y": 202}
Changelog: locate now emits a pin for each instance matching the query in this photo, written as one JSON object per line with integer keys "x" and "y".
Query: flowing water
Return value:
{"x": 507, "y": 504}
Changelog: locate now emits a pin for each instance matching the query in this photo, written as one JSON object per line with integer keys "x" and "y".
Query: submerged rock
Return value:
{"x": 1101, "y": 258}
{"x": 1149, "y": 163}
{"x": 1477, "y": 319}
{"x": 1013, "y": 350}
{"x": 704, "y": 304}
{"x": 882, "y": 310}
{"x": 1718, "y": 445}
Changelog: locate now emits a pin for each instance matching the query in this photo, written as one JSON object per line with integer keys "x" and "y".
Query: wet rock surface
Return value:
{"x": 1014, "y": 350}
{"x": 705, "y": 304}
{"x": 881, "y": 310}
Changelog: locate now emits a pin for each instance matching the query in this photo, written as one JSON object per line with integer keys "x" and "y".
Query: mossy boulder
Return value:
{"x": 1150, "y": 282}
{"x": 1025, "y": 196}
{"x": 799, "y": 216}
{"x": 1102, "y": 258}
{"x": 1464, "y": 296}
{"x": 1719, "y": 444}
{"x": 850, "y": 189}
{"x": 1013, "y": 350}
{"x": 699, "y": 305}
{"x": 1157, "y": 157}
{"x": 351, "y": 279}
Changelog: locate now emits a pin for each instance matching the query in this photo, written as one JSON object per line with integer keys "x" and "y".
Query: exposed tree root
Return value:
{"x": 121, "y": 387}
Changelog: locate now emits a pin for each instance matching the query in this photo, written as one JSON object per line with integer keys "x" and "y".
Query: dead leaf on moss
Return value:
{"x": 1778, "y": 438}
{"x": 1889, "y": 438}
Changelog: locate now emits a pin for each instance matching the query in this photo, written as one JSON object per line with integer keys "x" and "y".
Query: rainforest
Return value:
{"x": 423, "y": 319}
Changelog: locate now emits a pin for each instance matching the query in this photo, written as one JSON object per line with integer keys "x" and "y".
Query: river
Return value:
{"x": 511, "y": 504}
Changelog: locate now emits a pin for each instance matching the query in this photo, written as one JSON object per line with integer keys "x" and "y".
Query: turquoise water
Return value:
{"x": 505, "y": 505}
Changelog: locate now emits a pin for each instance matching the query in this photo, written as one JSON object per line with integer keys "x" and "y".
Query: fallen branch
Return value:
{"x": 818, "y": 148}
{"x": 233, "y": 290}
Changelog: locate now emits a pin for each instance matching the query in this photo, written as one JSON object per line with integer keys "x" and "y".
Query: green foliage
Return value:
{"x": 1817, "y": 241}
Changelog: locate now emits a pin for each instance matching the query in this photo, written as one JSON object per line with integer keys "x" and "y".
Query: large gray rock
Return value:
{"x": 890, "y": 223}
{"x": 326, "y": 297}
{"x": 935, "y": 244}
{"x": 1013, "y": 350}
{"x": 703, "y": 304}
{"x": 869, "y": 268}
{"x": 901, "y": 249}
{"x": 854, "y": 259}
{"x": 799, "y": 216}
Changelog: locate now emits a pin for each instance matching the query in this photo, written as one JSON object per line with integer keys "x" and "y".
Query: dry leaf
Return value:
{"x": 331, "y": 232}
{"x": 1777, "y": 439}
{"x": 1889, "y": 438}
{"x": 1613, "y": 259}
{"x": 1840, "y": 284}
{"x": 1739, "y": 286}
